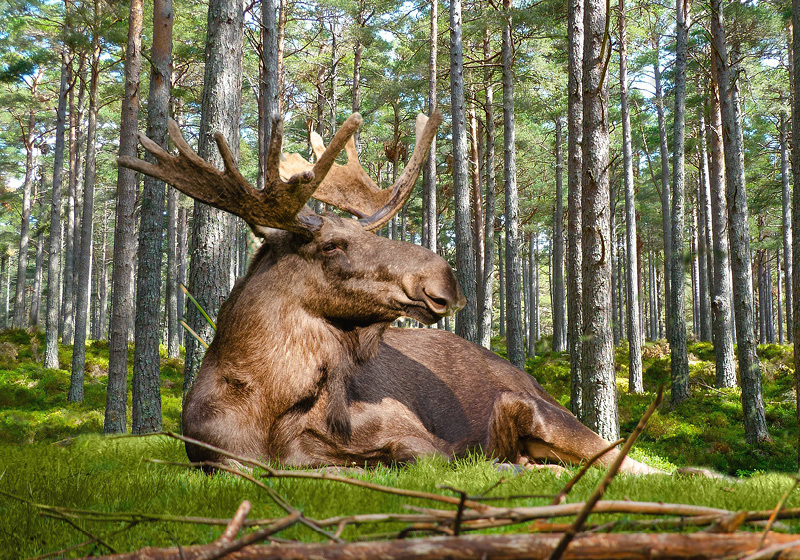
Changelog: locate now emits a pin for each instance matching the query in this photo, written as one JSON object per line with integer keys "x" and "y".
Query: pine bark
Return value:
{"x": 559, "y": 310}
{"x": 430, "y": 229}
{"x": 490, "y": 200}
{"x": 83, "y": 286}
{"x": 514, "y": 328}
{"x": 666, "y": 198}
{"x": 466, "y": 325}
{"x": 722, "y": 298}
{"x": 171, "y": 294}
{"x": 679, "y": 357}
{"x": 574, "y": 209}
{"x": 706, "y": 253}
{"x": 36, "y": 300}
{"x": 147, "y": 328}
{"x": 20, "y": 317}
{"x": 786, "y": 225}
{"x": 795, "y": 73}
{"x": 209, "y": 272}
{"x": 54, "y": 240}
{"x": 599, "y": 384}
{"x": 124, "y": 234}
{"x": 635, "y": 382}
{"x": 749, "y": 367}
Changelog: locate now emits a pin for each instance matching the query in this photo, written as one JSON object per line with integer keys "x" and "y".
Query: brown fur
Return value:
{"x": 305, "y": 369}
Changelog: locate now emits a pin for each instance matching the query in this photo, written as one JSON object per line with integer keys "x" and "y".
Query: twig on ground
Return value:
{"x": 280, "y": 500}
{"x": 460, "y": 512}
{"x": 770, "y": 551}
{"x": 777, "y": 510}
{"x": 316, "y": 475}
{"x": 230, "y": 546}
{"x": 561, "y": 496}
{"x": 95, "y": 538}
{"x": 84, "y": 543}
{"x": 601, "y": 488}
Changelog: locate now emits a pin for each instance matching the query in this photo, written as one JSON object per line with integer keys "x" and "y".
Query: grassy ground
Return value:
{"x": 48, "y": 455}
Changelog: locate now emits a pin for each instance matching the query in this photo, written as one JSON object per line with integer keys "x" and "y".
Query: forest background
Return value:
{"x": 567, "y": 131}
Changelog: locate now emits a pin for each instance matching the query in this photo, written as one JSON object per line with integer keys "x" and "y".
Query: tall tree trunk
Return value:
{"x": 102, "y": 292}
{"x": 66, "y": 324}
{"x": 795, "y": 73}
{"x": 83, "y": 286}
{"x": 786, "y": 226}
{"x": 679, "y": 357}
{"x": 146, "y": 361}
{"x": 501, "y": 263}
{"x": 209, "y": 273}
{"x": 635, "y": 383}
{"x": 36, "y": 299}
{"x": 514, "y": 331}
{"x": 171, "y": 295}
{"x": 574, "y": 210}
{"x": 597, "y": 366}
{"x": 559, "y": 311}
{"x": 466, "y": 325}
{"x": 666, "y": 198}
{"x": 485, "y": 320}
{"x": 749, "y": 368}
{"x": 706, "y": 255}
{"x": 477, "y": 211}
{"x": 6, "y": 271}
{"x": 694, "y": 248}
{"x": 430, "y": 229}
{"x": 20, "y": 316}
{"x": 269, "y": 91}
{"x": 54, "y": 241}
{"x": 722, "y": 297}
{"x": 183, "y": 249}
{"x": 615, "y": 293}
{"x": 124, "y": 234}
{"x": 778, "y": 295}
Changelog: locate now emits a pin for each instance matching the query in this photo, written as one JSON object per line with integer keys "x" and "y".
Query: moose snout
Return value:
{"x": 436, "y": 288}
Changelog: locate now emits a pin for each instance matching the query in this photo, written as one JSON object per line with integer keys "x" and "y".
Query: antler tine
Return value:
{"x": 426, "y": 132}
{"x": 227, "y": 190}
{"x": 326, "y": 160}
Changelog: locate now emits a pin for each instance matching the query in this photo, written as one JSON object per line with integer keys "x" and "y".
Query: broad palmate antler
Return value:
{"x": 282, "y": 202}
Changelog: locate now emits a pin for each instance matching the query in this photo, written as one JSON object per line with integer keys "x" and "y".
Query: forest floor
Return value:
{"x": 51, "y": 454}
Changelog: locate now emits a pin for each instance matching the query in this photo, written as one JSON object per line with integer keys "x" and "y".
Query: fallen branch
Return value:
{"x": 636, "y": 546}
{"x": 601, "y": 488}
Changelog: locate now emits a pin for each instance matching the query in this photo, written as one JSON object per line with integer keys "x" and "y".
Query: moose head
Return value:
{"x": 304, "y": 367}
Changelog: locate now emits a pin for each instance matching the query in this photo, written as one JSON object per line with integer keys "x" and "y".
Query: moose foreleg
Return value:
{"x": 522, "y": 426}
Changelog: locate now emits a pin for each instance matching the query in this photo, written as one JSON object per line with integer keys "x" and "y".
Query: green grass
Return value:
{"x": 50, "y": 453}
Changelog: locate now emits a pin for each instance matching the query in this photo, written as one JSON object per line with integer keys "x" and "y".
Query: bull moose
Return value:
{"x": 305, "y": 367}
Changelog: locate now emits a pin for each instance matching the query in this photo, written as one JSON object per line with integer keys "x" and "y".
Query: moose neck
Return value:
{"x": 268, "y": 337}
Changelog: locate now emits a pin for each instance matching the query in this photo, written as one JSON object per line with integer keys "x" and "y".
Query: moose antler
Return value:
{"x": 350, "y": 188}
{"x": 282, "y": 202}
{"x": 280, "y": 205}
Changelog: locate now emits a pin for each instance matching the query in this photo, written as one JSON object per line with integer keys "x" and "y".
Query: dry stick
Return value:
{"x": 280, "y": 500}
{"x": 88, "y": 534}
{"x": 236, "y": 523}
{"x": 84, "y": 543}
{"x": 463, "y": 494}
{"x": 275, "y": 473}
{"x": 777, "y": 510}
{"x": 601, "y": 488}
{"x": 561, "y": 496}
{"x": 770, "y": 551}
{"x": 247, "y": 540}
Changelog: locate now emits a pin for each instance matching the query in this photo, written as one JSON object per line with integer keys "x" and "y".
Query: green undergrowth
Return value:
{"x": 114, "y": 475}
{"x": 51, "y": 453}
{"x": 33, "y": 404}
{"x": 707, "y": 429}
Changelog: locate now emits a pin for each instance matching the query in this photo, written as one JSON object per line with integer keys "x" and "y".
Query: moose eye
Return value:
{"x": 330, "y": 247}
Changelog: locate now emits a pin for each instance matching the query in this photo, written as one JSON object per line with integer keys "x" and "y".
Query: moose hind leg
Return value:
{"x": 522, "y": 425}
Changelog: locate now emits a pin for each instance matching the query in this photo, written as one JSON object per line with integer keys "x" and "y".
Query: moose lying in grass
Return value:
{"x": 305, "y": 368}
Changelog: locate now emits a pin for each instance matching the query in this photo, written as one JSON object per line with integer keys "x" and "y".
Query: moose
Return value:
{"x": 305, "y": 367}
